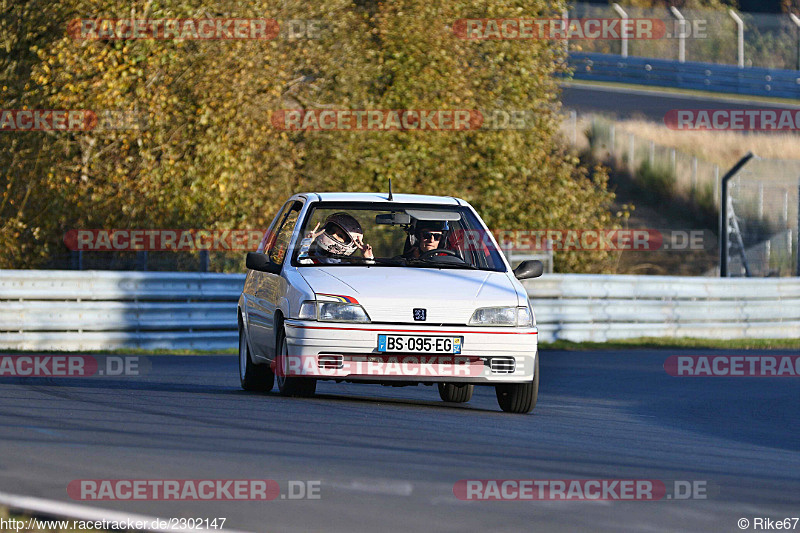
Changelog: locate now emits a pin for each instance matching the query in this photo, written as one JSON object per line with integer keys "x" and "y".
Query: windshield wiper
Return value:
{"x": 439, "y": 264}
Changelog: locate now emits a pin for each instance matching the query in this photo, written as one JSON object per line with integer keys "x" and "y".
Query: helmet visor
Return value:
{"x": 338, "y": 233}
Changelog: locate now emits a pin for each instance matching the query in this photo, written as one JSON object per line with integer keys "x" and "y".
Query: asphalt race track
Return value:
{"x": 648, "y": 103}
{"x": 387, "y": 458}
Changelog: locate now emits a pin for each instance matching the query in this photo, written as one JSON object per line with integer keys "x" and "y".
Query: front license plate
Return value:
{"x": 419, "y": 344}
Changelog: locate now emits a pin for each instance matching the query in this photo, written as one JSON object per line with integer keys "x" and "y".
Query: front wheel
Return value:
{"x": 456, "y": 392}
{"x": 253, "y": 377}
{"x": 519, "y": 397}
{"x": 288, "y": 385}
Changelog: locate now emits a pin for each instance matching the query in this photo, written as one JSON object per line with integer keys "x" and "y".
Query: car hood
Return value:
{"x": 390, "y": 294}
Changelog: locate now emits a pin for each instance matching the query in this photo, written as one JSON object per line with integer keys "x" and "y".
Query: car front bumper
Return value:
{"x": 347, "y": 351}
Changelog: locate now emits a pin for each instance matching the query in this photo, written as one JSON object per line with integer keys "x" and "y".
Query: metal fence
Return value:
{"x": 764, "y": 195}
{"x": 69, "y": 310}
{"x": 712, "y": 36}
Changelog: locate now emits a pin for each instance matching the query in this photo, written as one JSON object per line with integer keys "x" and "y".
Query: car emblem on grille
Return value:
{"x": 420, "y": 314}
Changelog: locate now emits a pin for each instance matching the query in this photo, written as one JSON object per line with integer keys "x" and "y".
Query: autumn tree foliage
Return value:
{"x": 205, "y": 154}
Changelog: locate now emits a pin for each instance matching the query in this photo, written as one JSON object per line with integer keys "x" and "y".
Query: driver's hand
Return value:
{"x": 313, "y": 233}
{"x": 366, "y": 249}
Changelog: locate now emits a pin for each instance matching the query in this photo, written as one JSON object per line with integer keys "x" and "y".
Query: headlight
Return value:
{"x": 332, "y": 312}
{"x": 341, "y": 312}
{"x": 502, "y": 316}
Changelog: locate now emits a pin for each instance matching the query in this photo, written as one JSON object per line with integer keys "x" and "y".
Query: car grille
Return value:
{"x": 330, "y": 361}
{"x": 502, "y": 365}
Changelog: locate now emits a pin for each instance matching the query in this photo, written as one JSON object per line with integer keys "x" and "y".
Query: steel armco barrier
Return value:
{"x": 755, "y": 81}
{"x": 94, "y": 310}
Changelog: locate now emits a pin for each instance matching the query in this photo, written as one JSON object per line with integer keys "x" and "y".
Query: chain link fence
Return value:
{"x": 764, "y": 195}
{"x": 764, "y": 198}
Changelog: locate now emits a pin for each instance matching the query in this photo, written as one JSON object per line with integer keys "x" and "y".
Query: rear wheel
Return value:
{"x": 519, "y": 397}
{"x": 288, "y": 385}
{"x": 456, "y": 392}
{"x": 253, "y": 377}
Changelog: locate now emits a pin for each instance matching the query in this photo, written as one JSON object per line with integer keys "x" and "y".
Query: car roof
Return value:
{"x": 382, "y": 197}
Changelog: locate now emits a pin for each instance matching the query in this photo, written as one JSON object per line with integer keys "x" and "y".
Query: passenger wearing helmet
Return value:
{"x": 428, "y": 235}
{"x": 341, "y": 235}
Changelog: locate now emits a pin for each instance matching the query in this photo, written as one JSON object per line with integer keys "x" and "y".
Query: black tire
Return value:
{"x": 287, "y": 385}
{"x": 253, "y": 377}
{"x": 519, "y": 397}
{"x": 456, "y": 392}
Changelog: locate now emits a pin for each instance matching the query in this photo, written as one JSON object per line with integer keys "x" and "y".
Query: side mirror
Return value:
{"x": 529, "y": 269}
{"x": 262, "y": 263}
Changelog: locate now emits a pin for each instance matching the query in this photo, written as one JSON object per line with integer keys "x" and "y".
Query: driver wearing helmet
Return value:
{"x": 341, "y": 235}
{"x": 428, "y": 235}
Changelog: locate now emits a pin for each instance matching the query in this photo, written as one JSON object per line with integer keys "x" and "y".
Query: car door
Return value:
{"x": 265, "y": 289}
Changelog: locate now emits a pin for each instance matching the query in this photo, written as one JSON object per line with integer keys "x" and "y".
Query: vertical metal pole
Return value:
{"x": 623, "y": 33}
{"x": 612, "y": 141}
{"x": 723, "y": 252}
{"x": 785, "y": 217}
{"x": 724, "y": 203}
{"x": 204, "y": 261}
{"x": 794, "y": 18}
{"x": 739, "y": 36}
{"x": 681, "y": 34}
{"x": 797, "y": 269}
{"x": 631, "y": 163}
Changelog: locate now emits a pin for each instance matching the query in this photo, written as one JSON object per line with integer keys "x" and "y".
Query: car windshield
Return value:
{"x": 405, "y": 235}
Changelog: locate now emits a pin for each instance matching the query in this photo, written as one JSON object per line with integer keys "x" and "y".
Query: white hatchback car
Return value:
{"x": 391, "y": 289}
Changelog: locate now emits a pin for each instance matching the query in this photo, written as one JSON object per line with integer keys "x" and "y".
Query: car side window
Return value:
{"x": 283, "y": 233}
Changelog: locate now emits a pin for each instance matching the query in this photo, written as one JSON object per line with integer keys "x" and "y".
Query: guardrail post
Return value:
{"x": 204, "y": 261}
{"x": 794, "y": 18}
{"x": 77, "y": 259}
{"x": 681, "y": 34}
{"x": 623, "y": 34}
{"x": 141, "y": 258}
{"x": 723, "y": 229}
{"x": 739, "y": 36}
